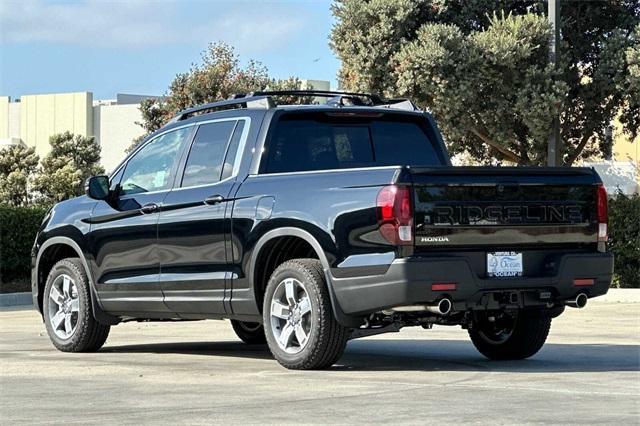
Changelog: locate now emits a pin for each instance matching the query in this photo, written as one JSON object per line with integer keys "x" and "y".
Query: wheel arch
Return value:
{"x": 257, "y": 279}
{"x": 50, "y": 252}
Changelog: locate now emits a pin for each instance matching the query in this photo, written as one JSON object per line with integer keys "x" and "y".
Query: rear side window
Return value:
{"x": 320, "y": 142}
{"x": 205, "y": 163}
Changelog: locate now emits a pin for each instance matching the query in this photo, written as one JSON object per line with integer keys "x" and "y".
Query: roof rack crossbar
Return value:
{"x": 263, "y": 99}
{"x": 235, "y": 102}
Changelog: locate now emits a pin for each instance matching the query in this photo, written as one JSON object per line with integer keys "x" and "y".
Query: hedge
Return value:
{"x": 18, "y": 227}
{"x": 624, "y": 239}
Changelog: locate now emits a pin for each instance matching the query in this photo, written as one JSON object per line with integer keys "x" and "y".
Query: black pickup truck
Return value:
{"x": 309, "y": 225}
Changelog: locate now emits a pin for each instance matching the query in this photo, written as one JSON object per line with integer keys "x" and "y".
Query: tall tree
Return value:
{"x": 72, "y": 159}
{"x": 218, "y": 76}
{"x": 18, "y": 165}
{"x": 482, "y": 68}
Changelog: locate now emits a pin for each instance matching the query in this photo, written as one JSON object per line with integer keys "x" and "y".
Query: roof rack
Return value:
{"x": 355, "y": 97}
{"x": 238, "y": 101}
{"x": 263, "y": 99}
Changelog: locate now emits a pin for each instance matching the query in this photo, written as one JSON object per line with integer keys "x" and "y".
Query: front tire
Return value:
{"x": 251, "y": 333}
{"x": 301, "y": 330}
{"x": 510, "y": 336}
{"x": 67, "y": 309}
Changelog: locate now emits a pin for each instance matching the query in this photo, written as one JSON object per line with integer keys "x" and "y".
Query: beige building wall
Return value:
{"x": 624, "y": 148}
{"x": 14, "y": 120}
{"x": 4, "y": 117}
{"x": 9, "y": 122}
{"x": 115, "y": 129}
{"x": 44, "y": 115}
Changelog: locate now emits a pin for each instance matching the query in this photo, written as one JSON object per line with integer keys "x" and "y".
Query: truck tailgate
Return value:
{"x": 499, "y": 208}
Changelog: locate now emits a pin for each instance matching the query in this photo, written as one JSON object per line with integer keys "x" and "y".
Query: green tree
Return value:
{"x": 218, "y": 76}
{"x": 72, "y": 159}
{"x": 624, "y": 238}
{"x": 18, "y": 165}
{"x": 481, "y": 67}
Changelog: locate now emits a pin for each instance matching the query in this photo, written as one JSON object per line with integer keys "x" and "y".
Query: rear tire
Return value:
{"x": 67, "y": 309}
{"x": 301, "y": 330}
{"x": 251, "y": 333}
{"x": 509, "y": 337}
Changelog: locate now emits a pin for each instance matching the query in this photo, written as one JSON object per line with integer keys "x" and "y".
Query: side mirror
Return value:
{"x": 97, "y": 187}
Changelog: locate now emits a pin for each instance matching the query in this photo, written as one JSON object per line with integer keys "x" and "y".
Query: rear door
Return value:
{"x": 195, "y": 221}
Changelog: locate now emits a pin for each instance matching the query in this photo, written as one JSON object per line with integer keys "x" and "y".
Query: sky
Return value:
{"x": 138, "y": 46}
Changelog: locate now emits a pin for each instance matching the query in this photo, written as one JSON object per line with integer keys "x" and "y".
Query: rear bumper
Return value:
{"x": 408, "y": 281}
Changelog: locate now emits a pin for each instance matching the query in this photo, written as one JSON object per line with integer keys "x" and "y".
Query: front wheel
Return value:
{"x": 301, "y": 330}
{"x": 510, "y": 335}
{"x": 67, "y": 309}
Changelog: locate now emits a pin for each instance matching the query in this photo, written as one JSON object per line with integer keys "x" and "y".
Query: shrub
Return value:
{"x": 18, "y": 228}
{"x": 624, "y": 234}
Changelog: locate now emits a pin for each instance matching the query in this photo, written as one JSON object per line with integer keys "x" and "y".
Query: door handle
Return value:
{"x": 214, "y": 199}
{"x": 149, "y": 208}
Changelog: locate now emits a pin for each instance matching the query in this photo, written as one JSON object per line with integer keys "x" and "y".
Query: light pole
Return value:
{"x": 554, "y": 148}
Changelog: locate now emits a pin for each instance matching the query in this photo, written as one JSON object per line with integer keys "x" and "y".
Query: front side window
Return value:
{"x": 206, "y": 162}
{"x": 151, "y": 168}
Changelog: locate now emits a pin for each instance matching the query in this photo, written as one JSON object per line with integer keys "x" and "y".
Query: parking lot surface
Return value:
{"x": 200, "y": 373}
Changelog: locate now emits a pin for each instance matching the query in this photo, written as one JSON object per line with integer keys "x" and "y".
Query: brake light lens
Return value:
{"x": 444, "y": 286}
{"x": 603, "y": 213}
{"x": 395, "y": 214}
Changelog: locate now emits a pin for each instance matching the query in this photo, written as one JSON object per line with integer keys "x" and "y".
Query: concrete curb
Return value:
{"x": 16, "y": 299}
{"x": 619, "y": 295}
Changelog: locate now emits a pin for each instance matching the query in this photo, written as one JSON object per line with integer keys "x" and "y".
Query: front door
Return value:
{"x": 123, "y": 233}
{"x": 195, "y": 223}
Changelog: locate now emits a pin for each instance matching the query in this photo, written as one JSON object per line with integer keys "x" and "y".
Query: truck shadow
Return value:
{"x": 427, "y": 355}
{"x": 460, "y": 355}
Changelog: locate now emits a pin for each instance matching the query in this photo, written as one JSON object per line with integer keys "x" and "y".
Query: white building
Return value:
{"x": 33, "y": 119}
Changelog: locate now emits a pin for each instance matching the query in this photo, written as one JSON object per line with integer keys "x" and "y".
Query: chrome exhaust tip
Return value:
{"x": 443, "y": 307}
{"x": 579, "y": 302}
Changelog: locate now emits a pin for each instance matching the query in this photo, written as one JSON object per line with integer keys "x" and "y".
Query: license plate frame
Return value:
{"x": 504, "y": 264}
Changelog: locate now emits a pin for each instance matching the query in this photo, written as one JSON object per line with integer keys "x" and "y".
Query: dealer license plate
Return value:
{"x": 504, "y": 264}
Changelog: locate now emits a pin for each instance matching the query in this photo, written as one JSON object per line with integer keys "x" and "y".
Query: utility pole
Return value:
{"x": 554, "y": 148}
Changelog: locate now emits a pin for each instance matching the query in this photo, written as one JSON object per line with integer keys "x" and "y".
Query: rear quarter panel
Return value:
{"x": 338, "y": 208}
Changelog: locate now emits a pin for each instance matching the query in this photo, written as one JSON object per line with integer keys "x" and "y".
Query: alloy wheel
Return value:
{"x": 63, "y": 312}
{"x": 291, "y": 315}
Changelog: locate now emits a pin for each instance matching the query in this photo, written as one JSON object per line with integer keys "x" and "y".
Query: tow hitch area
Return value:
{"x": 518, "y": 299}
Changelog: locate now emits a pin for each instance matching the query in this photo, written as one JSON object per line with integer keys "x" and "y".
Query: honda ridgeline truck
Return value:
{"x": 309, "y": 225}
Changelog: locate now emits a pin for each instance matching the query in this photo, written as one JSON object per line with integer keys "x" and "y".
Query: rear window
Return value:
{"x": 303, "y": 142}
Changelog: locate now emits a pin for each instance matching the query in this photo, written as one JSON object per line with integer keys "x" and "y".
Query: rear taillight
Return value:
{"x": 395, "y": 215}
{"x": 603, "y": 213}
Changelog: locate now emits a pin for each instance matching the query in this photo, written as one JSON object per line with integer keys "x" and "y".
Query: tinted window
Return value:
{"x": 206, "y": 158}
{"x": 320, "y": 143}
{"x": 232, "y": 151}
{"x": 402, "y": 144}
{"x": 151, "y": 168}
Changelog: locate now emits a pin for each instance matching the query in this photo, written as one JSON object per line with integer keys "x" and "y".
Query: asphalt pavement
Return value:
{"x": 200, "y": 373}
